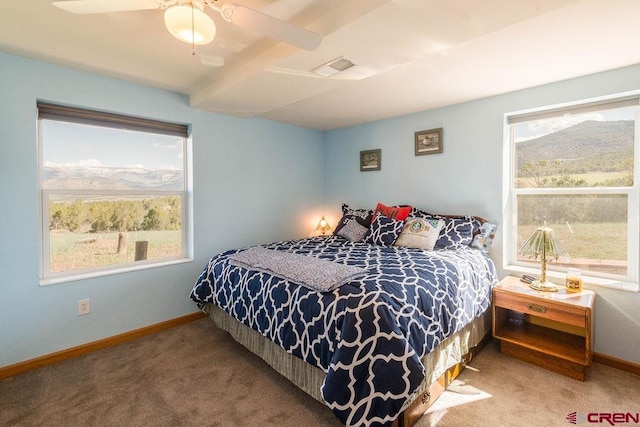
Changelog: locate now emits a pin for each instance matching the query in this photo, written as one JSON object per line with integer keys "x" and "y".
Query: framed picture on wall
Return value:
{"x": 370, "y": 160}
{"x": 429, "y": 141}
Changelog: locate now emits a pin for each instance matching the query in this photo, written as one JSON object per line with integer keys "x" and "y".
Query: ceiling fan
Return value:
{"x": 187, "y": 21}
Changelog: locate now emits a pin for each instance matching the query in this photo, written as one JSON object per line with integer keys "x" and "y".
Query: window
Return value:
{"x": 113, "y": 193}
{"x": 575, "y": 168}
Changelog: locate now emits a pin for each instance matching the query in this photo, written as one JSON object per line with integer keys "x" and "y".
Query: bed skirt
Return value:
{"x": 310, "y": 378}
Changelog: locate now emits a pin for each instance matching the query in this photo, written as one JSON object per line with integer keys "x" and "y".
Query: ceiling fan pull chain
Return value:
{"x": 193, "y": 32}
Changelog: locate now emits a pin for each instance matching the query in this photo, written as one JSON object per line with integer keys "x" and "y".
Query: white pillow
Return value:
{"x": 420, "y": 233}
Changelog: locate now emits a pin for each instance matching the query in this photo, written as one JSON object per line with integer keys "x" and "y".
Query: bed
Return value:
{"x": 371, "y": 347}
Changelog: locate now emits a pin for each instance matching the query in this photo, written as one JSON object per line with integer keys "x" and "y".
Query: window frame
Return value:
{"x": 48, "y": 111}
{"x": 631, "y": 280}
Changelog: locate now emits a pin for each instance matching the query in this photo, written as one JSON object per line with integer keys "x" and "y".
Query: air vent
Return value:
{"x": 333, "y": 67}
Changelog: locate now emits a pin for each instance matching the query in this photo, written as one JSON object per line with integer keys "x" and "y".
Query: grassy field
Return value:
{"x": 73, "y": 251}
{"x": 603, "y": 243}
{"x": 595, "y": 241}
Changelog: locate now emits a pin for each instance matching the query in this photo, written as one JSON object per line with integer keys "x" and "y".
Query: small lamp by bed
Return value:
{"x": 542, "y": 246}
{"x": 323, "y": 226}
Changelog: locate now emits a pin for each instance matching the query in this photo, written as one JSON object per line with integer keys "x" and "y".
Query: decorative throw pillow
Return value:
{"x": 352, "y": 231}
{"x": 477, "y": 225}
{"x": 420, "y": 233}
{"x": 419, "y": 213}
{"x": 362, "y": 216}
{"x": 383, "y": 231}
{"x": 398, "y": 213}
{"x": 457, "y": 231}
{"x": 484, "y": 239}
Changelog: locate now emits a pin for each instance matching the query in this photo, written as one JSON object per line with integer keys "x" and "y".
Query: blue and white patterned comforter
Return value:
{"x": 368, "y": 335}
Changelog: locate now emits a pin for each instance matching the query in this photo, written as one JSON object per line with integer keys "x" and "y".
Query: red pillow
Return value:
{"x": 399, "y": 214}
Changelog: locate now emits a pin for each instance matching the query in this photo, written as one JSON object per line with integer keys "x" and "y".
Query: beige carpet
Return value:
{"x": 496, "y": 390}
{"x": 196, "y": 374}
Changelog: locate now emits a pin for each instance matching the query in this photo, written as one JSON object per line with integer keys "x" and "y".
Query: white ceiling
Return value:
{"x": 412, "y": 55}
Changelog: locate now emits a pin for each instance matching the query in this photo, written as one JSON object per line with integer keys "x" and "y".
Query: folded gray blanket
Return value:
{"x": 308, "y": 271}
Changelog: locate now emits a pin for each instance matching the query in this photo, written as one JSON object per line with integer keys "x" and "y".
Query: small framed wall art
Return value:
{"x": 370, "y": 160}
{"x": 429, "y": 141}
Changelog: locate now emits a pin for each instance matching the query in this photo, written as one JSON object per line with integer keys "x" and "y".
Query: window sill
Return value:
{"x": 587, "y": 281}
{"x": 117, "y": 270}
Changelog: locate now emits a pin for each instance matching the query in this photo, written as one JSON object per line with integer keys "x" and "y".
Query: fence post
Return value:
{"x": 122, "y": 243}
{"x": 141, "y": 250}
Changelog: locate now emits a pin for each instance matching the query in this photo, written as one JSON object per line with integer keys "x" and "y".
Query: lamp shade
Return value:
{"x": 542, "y": 244}
{"x": 189, "y": 24}
{"x": 323, "y": 225}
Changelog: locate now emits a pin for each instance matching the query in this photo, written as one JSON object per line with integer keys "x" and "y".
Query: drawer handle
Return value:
{"x": 536, "y": 307}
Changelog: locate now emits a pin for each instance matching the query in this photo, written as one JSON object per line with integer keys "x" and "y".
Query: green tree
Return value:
{"x": 56, "y": 219}
{"x": 127, "y": 215}
{"x": 537, "y": 174}
{"x": 100, "y": 217}
{"x": 152, "y": 220}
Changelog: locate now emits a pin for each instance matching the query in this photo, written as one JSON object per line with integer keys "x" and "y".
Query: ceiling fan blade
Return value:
{"x": 85, "y": 7}
{"x": 269, "y": 26}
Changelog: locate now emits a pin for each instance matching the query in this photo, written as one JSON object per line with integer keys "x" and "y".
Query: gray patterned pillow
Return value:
{"x": 352, "y": 231}
{"x": 363, "y": 216}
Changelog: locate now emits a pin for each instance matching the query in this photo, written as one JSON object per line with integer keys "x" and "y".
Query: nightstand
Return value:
{"x": 553, "y": 330}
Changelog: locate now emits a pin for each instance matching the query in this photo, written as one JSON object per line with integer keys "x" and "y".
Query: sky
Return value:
{"x": 537, "y": 128}
{"x": 71, "y": 144}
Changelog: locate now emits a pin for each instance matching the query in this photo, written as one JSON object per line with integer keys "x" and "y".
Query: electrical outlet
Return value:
{"x": 84, "y": 306}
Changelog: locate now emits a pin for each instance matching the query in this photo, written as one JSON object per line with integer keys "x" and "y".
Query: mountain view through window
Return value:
{"x": 112, "y": 197}
{"x": 575, "y": 172}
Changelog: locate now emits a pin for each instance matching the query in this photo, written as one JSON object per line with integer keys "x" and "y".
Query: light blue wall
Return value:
{"x": 243, "y": 194}
{"x": 467, "y": 177}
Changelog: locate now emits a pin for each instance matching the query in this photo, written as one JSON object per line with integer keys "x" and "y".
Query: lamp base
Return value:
{"x": 543, "y": 286}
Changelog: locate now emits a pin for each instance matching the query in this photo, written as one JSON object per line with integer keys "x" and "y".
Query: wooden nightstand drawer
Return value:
{"x": 541, "y": 308}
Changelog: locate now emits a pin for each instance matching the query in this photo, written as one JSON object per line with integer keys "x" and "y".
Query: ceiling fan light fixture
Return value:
{"x": 189, "y": 24}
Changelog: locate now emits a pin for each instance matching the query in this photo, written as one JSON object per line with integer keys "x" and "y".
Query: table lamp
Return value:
{"x": 323, "y": 226}
{"x": 544, "y": 247}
